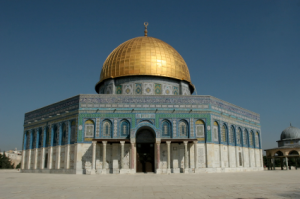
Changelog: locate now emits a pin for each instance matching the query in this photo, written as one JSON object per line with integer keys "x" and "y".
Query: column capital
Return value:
{"x": 104, "y": 142}
{"x": 185, "y": 142}
{"x": 195, "y": 142}
{"x": 94, "y": 142}
{"x": 122, "y": 142}
{"x": 132, "y": 140}
{"x": 168, "y": 142}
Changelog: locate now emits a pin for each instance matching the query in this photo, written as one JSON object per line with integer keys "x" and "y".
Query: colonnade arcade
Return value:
{"x": 61, "y": 134}
{"x": 285, "y": 156}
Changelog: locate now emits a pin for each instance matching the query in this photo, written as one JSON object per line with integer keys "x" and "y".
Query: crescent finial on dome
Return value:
{"x": 146, "y": 31}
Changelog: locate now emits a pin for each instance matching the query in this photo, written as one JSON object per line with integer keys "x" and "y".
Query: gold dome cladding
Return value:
{"x": 145, "y": 56}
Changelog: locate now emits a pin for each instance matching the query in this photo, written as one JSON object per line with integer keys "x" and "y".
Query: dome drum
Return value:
{"x": 144, "y": 85}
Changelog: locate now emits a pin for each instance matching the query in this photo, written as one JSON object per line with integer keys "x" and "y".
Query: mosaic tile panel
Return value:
{"x": 175, "y": 90}
{"x": 138, "y": 88}
{"x": 157, "y": 89}
{"x": 119, "y": 89}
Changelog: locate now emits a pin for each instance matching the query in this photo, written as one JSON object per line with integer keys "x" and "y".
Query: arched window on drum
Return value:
{"x": 183, "y": 129}
{"x": 223, "y": 133}
{"x": 106, "y": 128}
{"x": 245, "y": 138}
{"x": 166, "y": 128}
{"x": 257, "y": 140}
{"x": 200, "y": 129}
{"x": 124, "y": 128}
{"x": 89, "y": 128}
{"x": 231, "y": 135}
{"x": 216, "y": 131}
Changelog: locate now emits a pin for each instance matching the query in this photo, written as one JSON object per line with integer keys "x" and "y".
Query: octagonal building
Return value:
{"x": 143, "y": 118}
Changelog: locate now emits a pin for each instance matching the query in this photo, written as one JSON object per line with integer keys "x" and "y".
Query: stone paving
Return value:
{"x": 263, "y": 184}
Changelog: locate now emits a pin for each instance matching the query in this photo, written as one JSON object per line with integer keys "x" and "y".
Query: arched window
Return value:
{"x": 73, "y": 131}
{"x": 166, "y": 128}
{"x": 200, "y": 128}
{"x": 245, "y": 138}
{"x": 223, "y": 135}
{"x": 64, "y": 139}
{"x": 238, "y": 136}
{"x": 215, "y": 131}
{"x": 89, "y": 128}
{"x": 47, "y": 137}
{"x": 33, "y": 143}
{"x": 27, "y": 140}
{"x": 257, "y": 140}
{"x": 106, "y": 128}
{"x": 124, "y": 128}
{"x": 183, "y": 129}
{"x": 293, "y": 152}
{"x": 55, "y": 136}
{"x": 40, "y": 138}
{"x": 231, "y": 135}
{"x": 251, "y": 138}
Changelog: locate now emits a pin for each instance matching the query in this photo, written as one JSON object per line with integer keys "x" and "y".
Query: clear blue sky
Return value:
{"x": 243, "y": 52}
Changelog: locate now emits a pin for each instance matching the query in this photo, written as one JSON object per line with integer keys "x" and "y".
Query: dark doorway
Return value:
{"x": 145, "y": 151}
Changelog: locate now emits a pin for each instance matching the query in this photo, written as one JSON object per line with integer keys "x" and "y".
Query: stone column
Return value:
{"x": 43, "y": 148}
{"x": 93, "y": 171}
{"x": 186, "y": 162}
{"x": 169, "y": 159}
{"x": 104, "y": 157}
{"x": 29, "y": 150}
{"x": 122, "y": 156}
{"x": 67, "y": 146}
{"x": 50, "y": 148}
{"x": 36, "y": 144}
{"x": 273, "y": 163}
{"x": 195, "y": 155}
{"x": 132, "y": 165}
{"x": 287, "y": 163}
{"x": 23, "y": 159}
{"x": 58, "y": 147}
{"x": 158, "y": 157}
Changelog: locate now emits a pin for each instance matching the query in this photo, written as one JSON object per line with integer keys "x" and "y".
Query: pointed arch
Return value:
{"x": 125, "y": 128}
{"x": 224, "y": 133}
{"x": 166, "y": 128}
{"x": 89, "y": 128}
{"x": 73, "y": 132}
{"x": 245, "y": 138}
{"x": 107, "y": 128}
{"x": 183, "y": 128}
{"x": 200, "y": 130}
{"x": 231, "y": 135}
{"x": 64, "y": 134}
{"x": 251, "y": 139}
{"x": 216, "y": 130}
{"x": 257, "y": 141}
{"x": 239, "y": 136}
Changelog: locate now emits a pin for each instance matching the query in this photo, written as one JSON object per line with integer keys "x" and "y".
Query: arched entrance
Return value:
{"x": 145, "y": 139}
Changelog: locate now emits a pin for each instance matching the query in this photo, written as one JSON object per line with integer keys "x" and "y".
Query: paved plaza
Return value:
{"x": 263, "y": 184}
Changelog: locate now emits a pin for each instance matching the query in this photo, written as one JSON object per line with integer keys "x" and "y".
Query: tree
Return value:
{"x": 18, "y": 166}
{"x": 5, "y": 162}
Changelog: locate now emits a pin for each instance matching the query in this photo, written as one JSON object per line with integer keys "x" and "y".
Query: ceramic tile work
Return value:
{"x": 157, "y": 89}
{"x": 119, "y": 89}
{"x": 138, "y": 88}
{"x": 148, "y": 88}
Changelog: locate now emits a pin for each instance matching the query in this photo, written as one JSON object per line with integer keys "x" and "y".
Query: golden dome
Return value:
{"x": 144, "y": 56}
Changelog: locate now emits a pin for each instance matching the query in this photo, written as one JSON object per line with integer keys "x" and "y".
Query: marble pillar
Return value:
{"x": 42, "y": 158}
{"x": 104, "y": 157}
{"x": 57, "y": 162}
{"x": 132, "y": 165}
{"x": 35, "y": 158}
{"x": 158, "y": 156}
{"x": 273, "y": 163}
{"x": 195, "y": 155}
{"x": 93, "y": 168}
{"x": 23, "y": 159}
{"x": 29, "y": 159}
{"x": 122, "y": 157}
{"x": 67, "y": 156}
{"x": 50, "y": 151}
{"x": 186, "y": 162}
{"x": 169, "y": 159}
{"x": 287, "y": 163}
